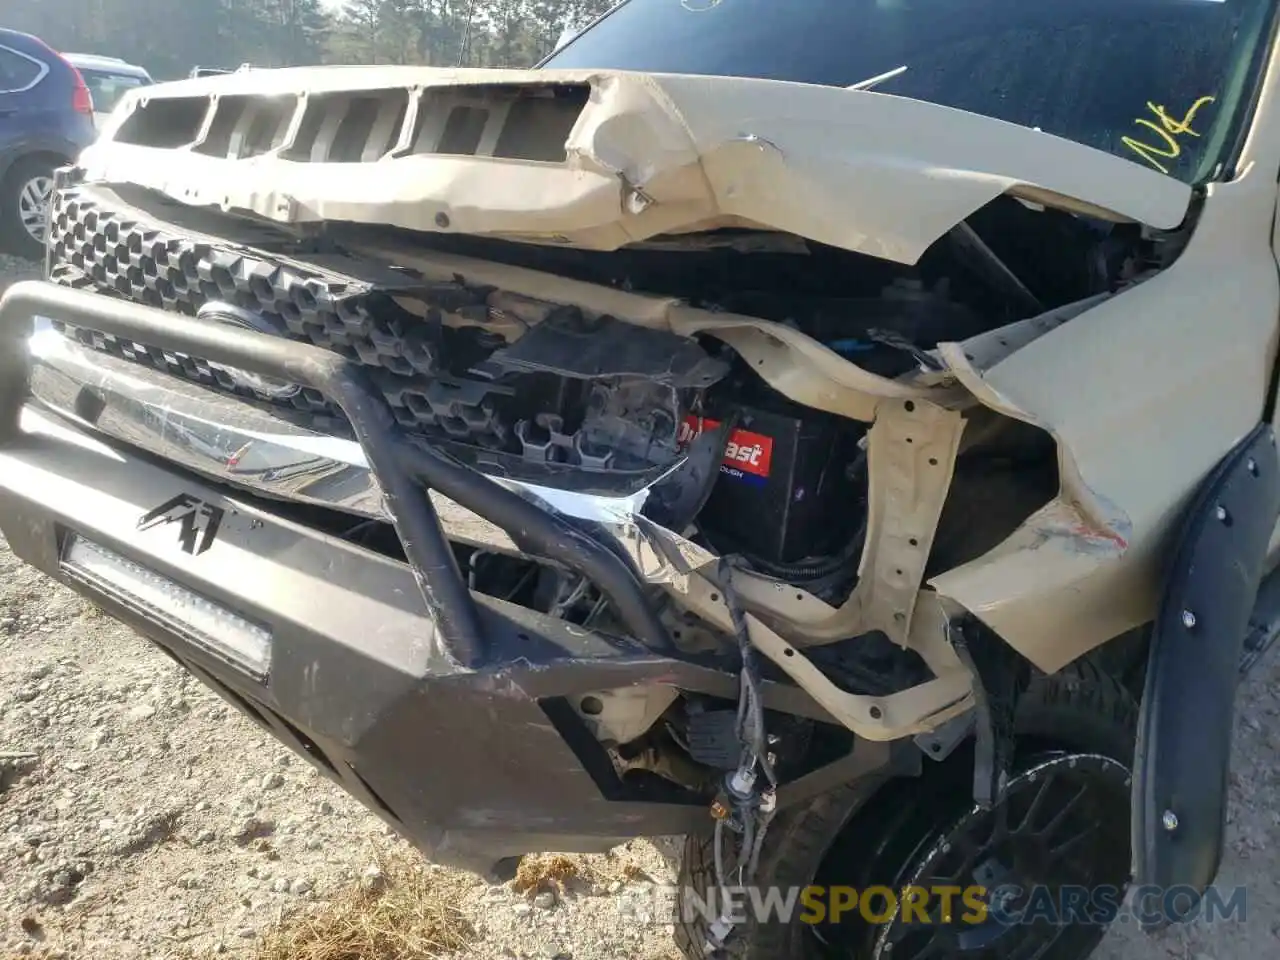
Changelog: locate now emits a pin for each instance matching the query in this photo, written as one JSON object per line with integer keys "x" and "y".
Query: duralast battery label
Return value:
{"x": 747, "y": 455}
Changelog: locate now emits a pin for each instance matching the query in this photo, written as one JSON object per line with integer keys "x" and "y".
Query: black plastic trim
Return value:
{"x": 1188, "y": 706}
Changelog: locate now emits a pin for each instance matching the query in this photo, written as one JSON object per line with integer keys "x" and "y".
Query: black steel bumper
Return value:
{"x": 440, "y": 709}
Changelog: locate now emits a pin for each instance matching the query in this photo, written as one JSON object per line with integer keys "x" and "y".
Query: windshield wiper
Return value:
{"x": 878, "y": 79}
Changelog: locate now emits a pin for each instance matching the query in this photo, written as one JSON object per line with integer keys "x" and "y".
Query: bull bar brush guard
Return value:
{"x": 404, "y": 469}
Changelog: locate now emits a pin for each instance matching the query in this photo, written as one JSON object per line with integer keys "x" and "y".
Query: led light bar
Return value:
{"x": 210, "y": 626}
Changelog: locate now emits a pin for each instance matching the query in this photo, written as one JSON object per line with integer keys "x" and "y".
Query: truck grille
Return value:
{"x": 122, "y": 254}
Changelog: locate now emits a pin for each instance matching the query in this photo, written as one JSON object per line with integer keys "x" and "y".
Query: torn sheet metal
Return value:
{"x": 599, "y": 159}
{"x": 1143, "y": 393}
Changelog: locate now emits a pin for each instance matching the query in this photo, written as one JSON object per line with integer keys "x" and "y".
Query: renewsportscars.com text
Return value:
{"x": 1007, "y": 905}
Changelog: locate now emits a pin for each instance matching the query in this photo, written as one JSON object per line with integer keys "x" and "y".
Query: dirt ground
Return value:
{"x": 141, "y": 817}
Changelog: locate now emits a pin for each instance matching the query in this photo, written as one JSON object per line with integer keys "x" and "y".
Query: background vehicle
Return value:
{"x": 835, "y": 431}
{"x": 217, "y": 71}
{"x": 46, "y": 118}
{"x": 108, "y": 78}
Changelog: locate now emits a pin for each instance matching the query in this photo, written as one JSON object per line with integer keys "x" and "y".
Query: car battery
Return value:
{"x": 784, "y": 492}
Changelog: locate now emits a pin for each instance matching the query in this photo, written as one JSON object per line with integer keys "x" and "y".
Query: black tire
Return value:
{"x": 20, "y": 179}
{"x": 1081, "y": 709}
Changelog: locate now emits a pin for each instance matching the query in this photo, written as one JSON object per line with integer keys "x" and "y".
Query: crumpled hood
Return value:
{"x": 599, "y": 159}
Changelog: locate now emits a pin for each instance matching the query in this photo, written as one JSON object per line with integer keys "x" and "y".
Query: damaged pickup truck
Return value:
{"x": 838, "y": 432}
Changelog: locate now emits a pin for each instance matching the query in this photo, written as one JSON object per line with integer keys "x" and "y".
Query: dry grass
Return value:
{"x": 547, "y": 871}
{"x": 632, "y": 871}
{"x": 562, "y": 874}
{"x": 411, "y": 912}
{"x": 407, "y": 913}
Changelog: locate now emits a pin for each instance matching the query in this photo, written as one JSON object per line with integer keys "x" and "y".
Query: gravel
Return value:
{"x": 12, "y": 269}
{"x": 140, "y": 816}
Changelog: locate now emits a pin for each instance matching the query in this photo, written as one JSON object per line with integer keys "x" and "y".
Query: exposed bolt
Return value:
{"x": 946, "y": 848}
{"x": 741, "y": 783}
{"x": 442, "y": 221}
{"x": 1169, "y": 820}
{"x": 1252, "y": 466}
{"x": 638, "y": 201}
{"x": 1221, "y": 514}
{"x": 1188, "y": 619}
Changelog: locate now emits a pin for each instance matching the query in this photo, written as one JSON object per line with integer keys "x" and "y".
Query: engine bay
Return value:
{"x": 528, "y": 388}
{"x": 788, "y": 499}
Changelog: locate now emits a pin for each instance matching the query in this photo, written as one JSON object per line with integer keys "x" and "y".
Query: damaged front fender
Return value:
{"x": 1143, "y": 393}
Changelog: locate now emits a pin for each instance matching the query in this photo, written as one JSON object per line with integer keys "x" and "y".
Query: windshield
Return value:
{"x": 1154, "y": 81}
{"x": 107, "y": 88}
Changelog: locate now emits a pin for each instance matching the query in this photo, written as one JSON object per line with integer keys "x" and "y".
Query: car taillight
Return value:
{"x": 81, "y": 99}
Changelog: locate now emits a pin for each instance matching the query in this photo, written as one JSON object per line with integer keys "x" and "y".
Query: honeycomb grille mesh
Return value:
{"x": 119, "y": 253}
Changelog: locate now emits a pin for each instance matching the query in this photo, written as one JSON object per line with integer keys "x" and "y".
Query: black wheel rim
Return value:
{"x": 1061, "y": 822}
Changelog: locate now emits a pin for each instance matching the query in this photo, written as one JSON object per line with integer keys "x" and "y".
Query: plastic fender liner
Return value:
{"x": 1188, "y": 705}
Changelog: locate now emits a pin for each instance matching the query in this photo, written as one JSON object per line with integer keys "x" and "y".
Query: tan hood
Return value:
{"x": 609, "y": 159}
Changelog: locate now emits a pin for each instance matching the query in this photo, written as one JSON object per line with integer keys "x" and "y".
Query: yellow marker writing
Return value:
{"x": 1167, "y": 129}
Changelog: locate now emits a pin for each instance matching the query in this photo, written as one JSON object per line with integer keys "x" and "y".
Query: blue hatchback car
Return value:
{"x": 46, "y": 119}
